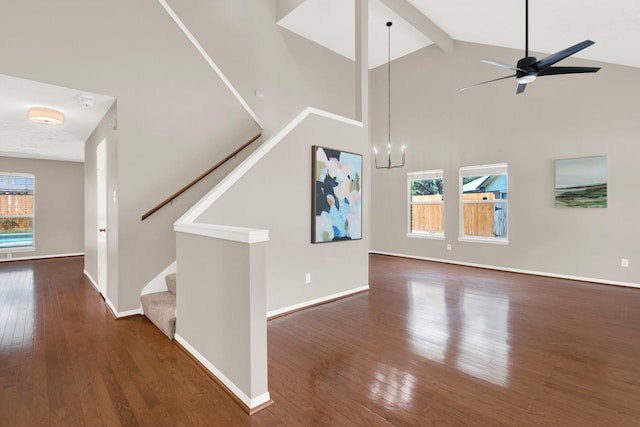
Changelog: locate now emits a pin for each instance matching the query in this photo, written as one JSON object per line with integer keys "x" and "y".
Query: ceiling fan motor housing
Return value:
{"x": 527, "y": 67}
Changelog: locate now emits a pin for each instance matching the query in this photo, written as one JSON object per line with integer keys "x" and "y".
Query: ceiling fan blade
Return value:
{"x": 521, "y": 88}
{"x": 488, "y": 81}
{"x": 567, "y": 70}
{"x": 501, "y": 65}
{"x": 545, "y": 63}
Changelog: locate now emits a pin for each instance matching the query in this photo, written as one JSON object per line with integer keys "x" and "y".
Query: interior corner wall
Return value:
{"x": 276, "y": 195}
{"x": 105, "y": 131}
{"x": 557, "y": 117}
{"x": 175, "y": 117}
{"x": 291, "y": 72}
{"x": 58, "y": 205}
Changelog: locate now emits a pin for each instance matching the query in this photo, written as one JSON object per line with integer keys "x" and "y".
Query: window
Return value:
{"x": 16, "y": 211}
{"x": 483, "y": 203}
{"x": 426, "y": 204}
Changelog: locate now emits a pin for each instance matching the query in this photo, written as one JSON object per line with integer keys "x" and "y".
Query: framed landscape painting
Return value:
{"x": 581, "y": 182}
{"x": 336, "y": 195}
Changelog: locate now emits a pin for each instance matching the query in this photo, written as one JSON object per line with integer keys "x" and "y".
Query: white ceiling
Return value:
{"x": 553, "y": 25}
{"x": 20, "y": 137}
{"x": 331, "y": 23}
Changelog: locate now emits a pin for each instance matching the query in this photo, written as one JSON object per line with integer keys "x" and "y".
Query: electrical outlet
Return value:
{"x": 9, "y": 255}
{"x": 448, "y": 246}
{"x": 307, "y": 278}
{"x": 624, "y": 262}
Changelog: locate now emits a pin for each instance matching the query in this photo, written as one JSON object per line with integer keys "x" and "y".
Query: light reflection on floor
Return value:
{"x": 393, "y": 385}
{"x": 429, "y": 329}
{"x": 484, "y": 349}
{"x": 469, "y": 332}
{"x": 17, "y": 308}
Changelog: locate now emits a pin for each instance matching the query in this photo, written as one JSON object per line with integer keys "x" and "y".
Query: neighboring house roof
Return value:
{"x": 487, "y": 183}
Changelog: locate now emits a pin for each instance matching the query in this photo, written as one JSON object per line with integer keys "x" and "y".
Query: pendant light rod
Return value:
{"x": 526, "y": 28}
{"x": 375, "y": 152}
{"x": 389, "y": 24}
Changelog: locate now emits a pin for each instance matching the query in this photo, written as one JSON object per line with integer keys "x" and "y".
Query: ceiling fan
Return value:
{"x": 529, "y": 68}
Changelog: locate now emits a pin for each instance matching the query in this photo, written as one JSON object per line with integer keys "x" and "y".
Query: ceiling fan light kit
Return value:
{"x": 528, "y": 69}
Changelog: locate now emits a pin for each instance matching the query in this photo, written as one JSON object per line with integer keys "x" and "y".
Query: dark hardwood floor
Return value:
{"x": 429, "y": 345}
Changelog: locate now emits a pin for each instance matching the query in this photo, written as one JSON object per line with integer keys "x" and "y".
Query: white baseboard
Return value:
{"x": 115, "y": 312}
{"x": 515, "y": 270}
{"x": 251, "y": 403}
{"x": 93, "y": 282}
{"x": 296, "y": 307}
{"x": 29, "y": 258}
{"x": 127, "y": 313}
{"x": 118, "y": 314}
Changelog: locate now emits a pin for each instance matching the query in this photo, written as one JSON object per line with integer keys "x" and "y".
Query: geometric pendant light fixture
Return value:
{"x": 44, "y": 115}
{"x": 388, "y": 164}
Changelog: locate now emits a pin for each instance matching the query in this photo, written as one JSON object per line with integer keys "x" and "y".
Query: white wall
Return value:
{"x": 254, "y": 53}
{"x": 175, "y": 117}
{"x": 59, "y": 203}
{"x": 276, "y": 195}
{"x": 557, "y": 117}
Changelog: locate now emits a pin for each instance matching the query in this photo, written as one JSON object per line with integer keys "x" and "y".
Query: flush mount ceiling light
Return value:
{"x": 44, "y": 115}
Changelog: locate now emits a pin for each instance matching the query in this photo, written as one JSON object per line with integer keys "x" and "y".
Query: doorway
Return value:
{"x": 101, "y": 194}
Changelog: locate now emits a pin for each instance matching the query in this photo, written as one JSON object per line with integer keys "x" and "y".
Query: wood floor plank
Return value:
{"x": 429, "y": 345}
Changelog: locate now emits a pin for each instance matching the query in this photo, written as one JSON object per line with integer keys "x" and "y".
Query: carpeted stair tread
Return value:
{"x": 160, "y": 307}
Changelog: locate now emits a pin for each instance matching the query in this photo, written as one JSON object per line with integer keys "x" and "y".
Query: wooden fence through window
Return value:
{"x": 479, "y": 218}
{"x": 427, "y": 217}
{"x": 16, "y": 212}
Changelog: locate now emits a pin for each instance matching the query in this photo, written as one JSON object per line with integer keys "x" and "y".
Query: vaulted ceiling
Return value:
{"x": 553, "y": 25}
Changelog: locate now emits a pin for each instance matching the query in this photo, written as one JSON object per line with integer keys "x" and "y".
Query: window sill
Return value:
{"x": 426, "y": 236}
{"x": 490, "y": 240}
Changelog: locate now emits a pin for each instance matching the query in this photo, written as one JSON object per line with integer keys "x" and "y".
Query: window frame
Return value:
{"x": 417, "y": 176}
{"x": 31, "y": 248}
{"x": 482, "y": 170}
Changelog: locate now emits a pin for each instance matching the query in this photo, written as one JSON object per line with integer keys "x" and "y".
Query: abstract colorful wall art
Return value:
{"x": 581, "y": 182}
{"x": 337, "y": 195}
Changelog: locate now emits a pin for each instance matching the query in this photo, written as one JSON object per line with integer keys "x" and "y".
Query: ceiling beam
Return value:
{"x": 362, "y": 63}
{"x": 420, "y": 22}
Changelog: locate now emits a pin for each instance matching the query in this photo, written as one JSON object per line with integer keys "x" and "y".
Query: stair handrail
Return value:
{"x": 200, "y": 177}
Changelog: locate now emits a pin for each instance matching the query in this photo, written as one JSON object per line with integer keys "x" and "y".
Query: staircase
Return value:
{"x": 160, "y": 307}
